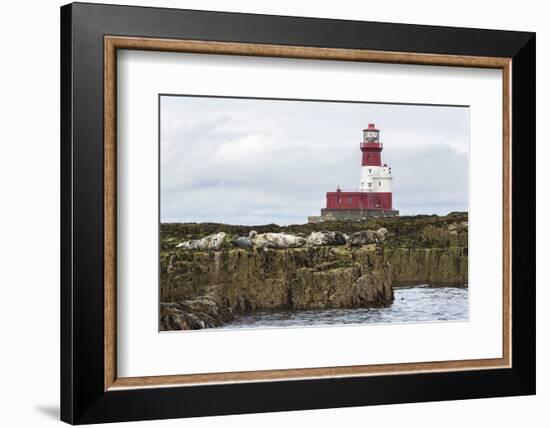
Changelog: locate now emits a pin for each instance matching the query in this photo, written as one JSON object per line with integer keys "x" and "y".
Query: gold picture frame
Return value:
{"x": 114, "y": 43}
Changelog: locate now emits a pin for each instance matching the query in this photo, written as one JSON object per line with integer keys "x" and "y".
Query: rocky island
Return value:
{"x": 211, "y": 273}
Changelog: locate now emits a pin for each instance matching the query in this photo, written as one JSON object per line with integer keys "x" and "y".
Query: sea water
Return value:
{"x": 421, "y": 303}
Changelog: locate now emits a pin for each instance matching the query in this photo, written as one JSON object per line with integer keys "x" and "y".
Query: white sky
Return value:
{"x": 247, "y": 161}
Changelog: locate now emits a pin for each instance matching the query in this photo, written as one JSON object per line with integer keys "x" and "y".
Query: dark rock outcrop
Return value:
{"x": 436, "y": 266}
{"x": 195, "y": 314}
{"x": 296, "y": 278}
{"x": 307, "y": 266}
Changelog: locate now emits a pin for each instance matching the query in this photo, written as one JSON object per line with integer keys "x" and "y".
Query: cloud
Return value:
{"x": 246, "y": 161}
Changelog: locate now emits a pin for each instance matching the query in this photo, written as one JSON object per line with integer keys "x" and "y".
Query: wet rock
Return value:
{"x": 276, "y": 240}
{"x": 195, "y": 314}
{"x": 372, "y": 289}
{"x": 316, "y": 239}
{"x": 210, "y": 242}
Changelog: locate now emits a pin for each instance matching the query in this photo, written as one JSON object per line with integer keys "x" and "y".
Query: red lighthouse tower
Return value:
{"x": 373, "y": 198}
{"x": 371, "y": 147}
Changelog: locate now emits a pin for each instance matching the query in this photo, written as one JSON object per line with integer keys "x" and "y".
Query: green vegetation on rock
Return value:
{"x": 423, "y": 231}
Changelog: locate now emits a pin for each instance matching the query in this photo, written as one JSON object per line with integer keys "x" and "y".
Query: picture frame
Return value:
{"x": 91, "y": 35}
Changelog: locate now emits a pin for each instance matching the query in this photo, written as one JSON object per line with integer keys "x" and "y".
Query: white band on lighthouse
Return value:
{"x": 376, "y": 179}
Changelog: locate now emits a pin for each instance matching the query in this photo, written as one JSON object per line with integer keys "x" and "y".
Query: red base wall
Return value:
{"x": 359, "y": 200}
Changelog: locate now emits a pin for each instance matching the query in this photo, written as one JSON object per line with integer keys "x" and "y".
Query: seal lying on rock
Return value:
{"x": 242, "y": 242}
{"x": 276, "y": 240}
{"x": 210, "y": 242}
{"x": 316, "y": 239}
{"x": 382, "y": 233}
{"x": 366, "y": 237}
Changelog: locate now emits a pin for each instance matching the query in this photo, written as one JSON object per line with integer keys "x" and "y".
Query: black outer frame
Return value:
{"x": 83, "y": 399}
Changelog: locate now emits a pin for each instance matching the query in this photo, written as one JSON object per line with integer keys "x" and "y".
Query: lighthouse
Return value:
{"x": 375, "y": 177}
{"x": 373, "y": 198}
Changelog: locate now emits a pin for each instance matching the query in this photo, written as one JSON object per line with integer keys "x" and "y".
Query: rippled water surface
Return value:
{"x": 420, "y": 303}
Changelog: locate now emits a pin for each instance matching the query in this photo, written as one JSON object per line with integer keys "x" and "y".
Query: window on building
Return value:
{"x": 370, "y": 170}
{"x": 379, "y": 183}
{"x": 339, "y": 200}
{"x": 369, "y": 184}
{"x": 349, "y": 200}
